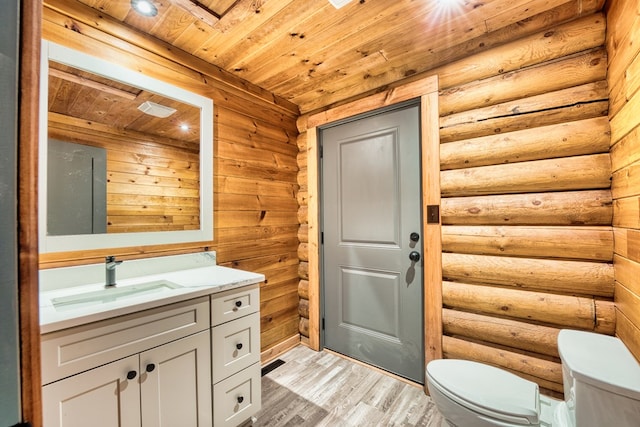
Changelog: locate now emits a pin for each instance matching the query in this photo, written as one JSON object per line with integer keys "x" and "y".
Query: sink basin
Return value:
{"x": 112, "y": 294}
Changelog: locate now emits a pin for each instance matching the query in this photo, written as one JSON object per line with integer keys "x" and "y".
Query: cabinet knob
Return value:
{"x": 240, "y": 399}
{"x": 239, "y": 346}
{"x": 238, "y": 303}
{"x": 150, "y": 367}
{"x": 131, "y": 375}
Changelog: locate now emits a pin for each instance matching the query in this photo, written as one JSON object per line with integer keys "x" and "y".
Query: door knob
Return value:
{"x": 414, "y": 237}
{"x": 131, "y": 375}
{"x": 239, "y": 346}
{"x": 150, "y": 367}
{"x": 414, "y": 256}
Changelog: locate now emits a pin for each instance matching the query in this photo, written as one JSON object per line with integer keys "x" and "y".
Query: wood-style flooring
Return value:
{"x": 323, "y": 389}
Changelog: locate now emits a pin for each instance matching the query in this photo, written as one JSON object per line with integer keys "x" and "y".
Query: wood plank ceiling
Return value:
{"x": 314, "y": 55}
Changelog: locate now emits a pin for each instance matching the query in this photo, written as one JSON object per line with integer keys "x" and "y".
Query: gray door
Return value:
{"x": 371, "y": 207}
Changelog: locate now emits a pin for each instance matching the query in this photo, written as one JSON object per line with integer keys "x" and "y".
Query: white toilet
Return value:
{"x": 601, "y": 389}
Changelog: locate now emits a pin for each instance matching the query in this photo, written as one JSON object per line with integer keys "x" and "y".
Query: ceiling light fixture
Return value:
{"x": 157, "y": 110}
{"x": 144, "y": 7}
{"x": 339, "y": 3}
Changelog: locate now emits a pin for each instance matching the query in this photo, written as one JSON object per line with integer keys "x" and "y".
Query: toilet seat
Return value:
{"x": 486, "y": 390}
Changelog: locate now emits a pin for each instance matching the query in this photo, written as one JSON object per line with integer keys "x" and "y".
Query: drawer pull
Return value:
{"x": 239, "y": 346}
{"x": 151, "y": 367}
{"x": 131, "y": 375}
{"x": 240, "y": 399}
{"x": 238, "y": 304}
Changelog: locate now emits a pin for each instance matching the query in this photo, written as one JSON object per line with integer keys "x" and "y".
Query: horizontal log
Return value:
{"x": 303, "y": 252}
{"x": 302, "y": 196}
{"x": 546, "y": 373}
{"x": 303, "y": 308}
{"x": 562, "y": 311}
{"x": 568, "y": 277}
{"x": 547, "y": 77}
{"x": 303, "y": 270}
{"x": 512, "y": 123}
{"x": 303, "y": 214}
{"x": 303, "y": 327}
{"x": 302, "y": 175}
{"x": 571, "y": 173}
{"x": 303, "y": 289}
{"x": 303, "y": 233}
{"x": 576, "y": 138}
{"x": 579, "y": 243}
{"x": 561, "y": 208}
{"x": 587, "y": 93}
{"x": 506, "y": 332}
{"x": 605, "y": 317}
{"x": 301, "y": 158}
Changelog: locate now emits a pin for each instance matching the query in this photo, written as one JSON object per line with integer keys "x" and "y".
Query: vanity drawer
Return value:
{"x": 235, "y": 303}
{"x": 70, "y": 351}
{"x": 235, "y": 346}
{"x": 237, "y": 398}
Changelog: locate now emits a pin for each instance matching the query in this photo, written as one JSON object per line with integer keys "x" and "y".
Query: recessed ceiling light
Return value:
{"x": 184, "y": 127}
{"x": 144, "y": 7}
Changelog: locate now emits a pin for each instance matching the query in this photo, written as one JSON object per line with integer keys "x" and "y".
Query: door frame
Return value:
{"x": 427, "y": 90}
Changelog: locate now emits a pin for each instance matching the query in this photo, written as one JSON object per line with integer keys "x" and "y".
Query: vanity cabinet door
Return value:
{"x": 175, "y": 383}
{"x": 108, "y": 396}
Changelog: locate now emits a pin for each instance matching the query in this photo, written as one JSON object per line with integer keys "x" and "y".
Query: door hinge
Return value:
{"x": 322, "y": 237}
{"x": 321, "y": 149}
{"x": 323, "y": 323}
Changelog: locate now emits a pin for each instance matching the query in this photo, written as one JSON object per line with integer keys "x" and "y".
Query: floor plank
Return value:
{"x": 323, "y": 389}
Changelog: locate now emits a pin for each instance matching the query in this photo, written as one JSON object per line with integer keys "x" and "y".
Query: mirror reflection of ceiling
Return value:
{"x": 96, "y": 99}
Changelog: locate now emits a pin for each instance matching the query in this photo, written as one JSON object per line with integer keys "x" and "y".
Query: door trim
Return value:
{"x": 427, "y": 90}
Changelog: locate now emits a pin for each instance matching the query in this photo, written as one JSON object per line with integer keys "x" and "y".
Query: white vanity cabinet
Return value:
{"x": 150, "y": 368}
{"x": 235, "y": 344}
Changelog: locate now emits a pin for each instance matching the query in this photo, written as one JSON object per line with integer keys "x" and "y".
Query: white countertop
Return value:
{"x": 194, "y": 282}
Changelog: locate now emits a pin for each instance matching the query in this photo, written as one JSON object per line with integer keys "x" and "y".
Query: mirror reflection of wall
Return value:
{"x": 152, "y": 146}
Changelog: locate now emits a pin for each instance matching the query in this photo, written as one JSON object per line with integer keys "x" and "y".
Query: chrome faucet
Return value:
{"x": 110, "y": 270}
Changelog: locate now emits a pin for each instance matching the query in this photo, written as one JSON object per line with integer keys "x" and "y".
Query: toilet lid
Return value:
{"x": 491, "y": 391}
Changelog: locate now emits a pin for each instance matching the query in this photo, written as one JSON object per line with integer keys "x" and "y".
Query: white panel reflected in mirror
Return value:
{"x": 158, "y": 141}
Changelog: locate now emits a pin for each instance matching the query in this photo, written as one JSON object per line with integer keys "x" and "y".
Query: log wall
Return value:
{"x": 526, "y": 203}
{"x": 255, "y": 171}
{"x": 623, "y": 19}
{"x": 526, "y": 209}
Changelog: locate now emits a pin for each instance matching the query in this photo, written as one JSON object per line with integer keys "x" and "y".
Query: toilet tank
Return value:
{"x": 601, "y": 380}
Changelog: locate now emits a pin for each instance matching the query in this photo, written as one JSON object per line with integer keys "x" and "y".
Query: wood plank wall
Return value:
{"x": 526, "y": 201}
{"x": 623, "y": 29}
{"x": 255, "y": 169}
{"x": 153, "y": 183}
